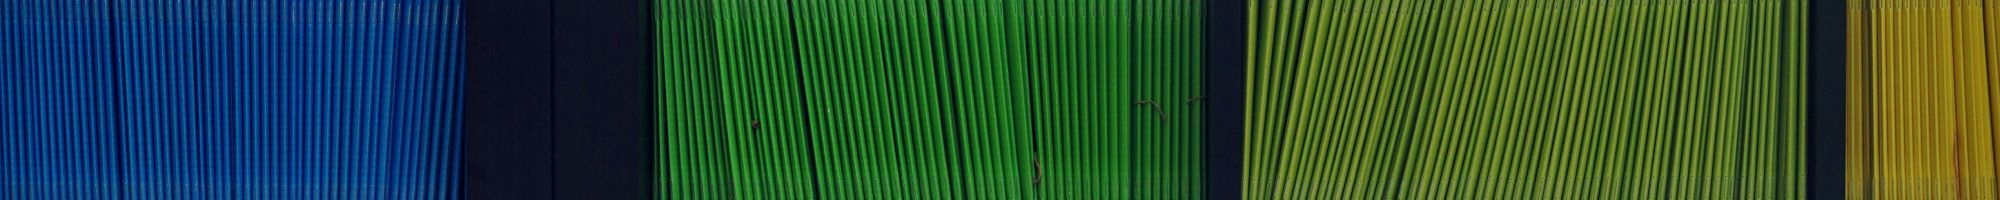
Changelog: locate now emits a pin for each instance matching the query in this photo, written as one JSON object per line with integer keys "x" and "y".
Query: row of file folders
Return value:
{"x": 1028, "y": 99}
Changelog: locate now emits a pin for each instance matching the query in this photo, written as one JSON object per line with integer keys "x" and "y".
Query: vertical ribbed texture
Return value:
{"x": 926, "y": 99}
{"x": 1920, "y": 99}
{"x": 276, "y": 99}
{"x": 1495, "y": 99}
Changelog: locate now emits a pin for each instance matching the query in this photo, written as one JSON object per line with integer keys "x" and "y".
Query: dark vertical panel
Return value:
{"x": 1826, "y": 137}
{"x": 558, "y": 102}
{"x": 1222, "y": 83}
{"x": 508, "y": 103}
{"x": 602, "y": 99}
